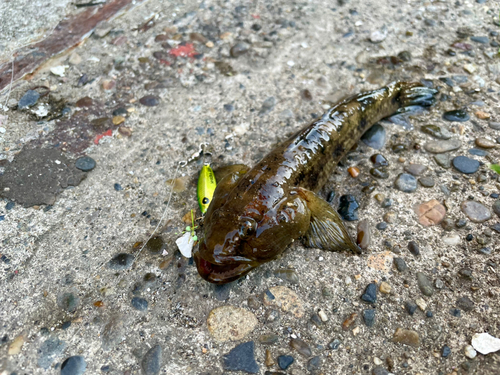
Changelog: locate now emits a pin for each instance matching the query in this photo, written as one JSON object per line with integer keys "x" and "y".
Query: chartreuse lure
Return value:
{"x": 206, "y": 187}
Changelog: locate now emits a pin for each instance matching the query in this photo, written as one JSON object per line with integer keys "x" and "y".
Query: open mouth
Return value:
{"x": 221, "y": 274}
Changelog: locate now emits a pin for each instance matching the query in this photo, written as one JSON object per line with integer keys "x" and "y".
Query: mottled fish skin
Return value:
{"x": 257, "y": 213}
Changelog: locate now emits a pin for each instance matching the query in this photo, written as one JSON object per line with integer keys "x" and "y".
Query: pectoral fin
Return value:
{"x": 326, "y": 230}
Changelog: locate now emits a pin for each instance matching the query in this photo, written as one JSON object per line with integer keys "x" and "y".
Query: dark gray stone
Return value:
{"x": 459, "y": 115}
{"x": 54, "y": 172}
{"x": 465, "y": 165}
{"x": 313, "y": 364}
{"x": 28, "y": 100}
{"x": 50, "y": 350}
{"x": 400, "y": 264}
{"x": 151, "y": 362}
{"x": 424, "y": 284}
{"x": 406, "y": 183}
{"x": 465, "y": 303}
{"x": 121, "y": 262}
{"x": 85, "y": 163}
{"x": 379, "y": 370}
{"x": 370, "y": 294}
{"x": 241, "y": 358}
{"x": 375, "y": 137}
{"x": 75, "y": 365}
{"x": 411, "y": 307}
{"x": 369, "y": 317}
{"x": 284, "y": 361}
{"x": 139, "y": 303}
{"x": 268, "y": 105}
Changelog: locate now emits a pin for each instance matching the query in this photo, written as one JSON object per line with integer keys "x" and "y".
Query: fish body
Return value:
{"x": 256, "y": 213}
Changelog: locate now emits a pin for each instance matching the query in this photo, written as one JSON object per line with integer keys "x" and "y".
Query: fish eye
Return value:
{"x": 205, "y": 200}
{"x": 247, "y": 228}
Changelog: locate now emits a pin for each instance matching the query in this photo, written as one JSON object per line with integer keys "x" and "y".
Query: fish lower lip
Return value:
{"x": 221, "y": 274}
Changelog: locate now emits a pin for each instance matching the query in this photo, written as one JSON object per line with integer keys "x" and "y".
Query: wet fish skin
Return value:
{"x": 256, "y": 213}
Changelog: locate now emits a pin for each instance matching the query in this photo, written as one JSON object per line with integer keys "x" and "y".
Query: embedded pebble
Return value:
{"x": 378, "y": 36}
{"x": 239, "y": 49}
{"x": 465, "y": 165}
{"x": 286, "y": 299}
{"x": 75, "y": 365}
{"x": 29, "y": 99}
{"x": 400, "y": 264}
{"x": 379, "y": 370}
{"x": 385, "y": 288}
{"x": 496, "y": 207}
{"x": 443, "y": 160}
{"x": 121, "y": 262}
{"x": 413, "y": 247}
{"x": 349, "y": 321}
{"x": 230, "y": 323}
{"x": 348, "y": 207}
{"x": 451, "y": 240}
{"x": 51, "y": 349}
{"x": 424, "y": 284}
{"x": 301, "y": 347}
{"x": 438, "y": 147}
{"x": 406, "y": 337}
{"x": 151, "y": 362}
{"x": 484, "y": 343}
{"x": 375, "y": 137}
{"x": 406, "y": 183}
{"x": 139, "y": 303}
{"x": 85, "y": 163}
{"x": 370, "y": 294}
{"x": 445, "y": 351}
{"x": 470, "y": 352}
{"x": 149, "y": 101}
{"x": 459, "y": 115}
{"x": 68, "y": 301}
{"x": 475, "y": 211}
{"x": 421, "y": 303}
{"x": 284, "y": 361}
{"x": 16, "y": 345}
{"x": 334, "y": 345}
{"x": 369, "y": 317}
{"x": 410, "y": 307}
{"x": 287, "y": 275}
{"x": 430, "y": 213}
{"x": 364, "y": 234}
{"x": 313, "y": 364}
{"x": 485, "y": 143}
{"x": 494, "y": 125}
{"x": 427, "y": 182}
{"x": 436, "y": 131}
{"x": 415, "y": 169}
{"x": 465, "y": 303}
{"x": 241, "y": 358}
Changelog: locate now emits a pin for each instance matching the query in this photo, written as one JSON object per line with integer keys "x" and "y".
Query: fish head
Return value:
{"x": 238, "y": 238}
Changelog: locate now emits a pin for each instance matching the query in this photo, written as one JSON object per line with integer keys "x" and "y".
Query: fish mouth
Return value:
{"x": 221, "y": 273}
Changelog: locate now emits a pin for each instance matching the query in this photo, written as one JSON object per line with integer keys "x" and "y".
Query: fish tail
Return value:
{"x": 413, "y": 95}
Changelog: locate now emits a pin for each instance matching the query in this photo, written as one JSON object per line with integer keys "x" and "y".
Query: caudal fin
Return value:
{"x": 416, "y": 95}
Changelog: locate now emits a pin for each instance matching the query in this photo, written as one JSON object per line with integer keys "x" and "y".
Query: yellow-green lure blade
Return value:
{"x": 206, "y": 187}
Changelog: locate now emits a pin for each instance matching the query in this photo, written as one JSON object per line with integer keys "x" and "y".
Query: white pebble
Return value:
{"x": 348, "y": 280}
{"x": 59, "y": 70}
{"x": 470, "y": 352}
{"x": 377, "y": 361}
{"x": 290, "y": 63}
{"x": 421, "y": 304}
{"x": 452, "y": 240}
{"x": 322, "y": 316}
{"x": 484, "y": 343}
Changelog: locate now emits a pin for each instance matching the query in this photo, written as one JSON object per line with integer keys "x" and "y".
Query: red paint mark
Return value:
{"x": 186, "y": 50}
{"x": 98, "y": 137}
{"x": 256, "y": 16}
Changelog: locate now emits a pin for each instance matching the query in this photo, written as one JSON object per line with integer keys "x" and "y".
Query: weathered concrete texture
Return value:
{"x": 60, "y": 297}
{"x": 36, "y": 176}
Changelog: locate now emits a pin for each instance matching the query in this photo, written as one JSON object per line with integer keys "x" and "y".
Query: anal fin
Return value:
{"x": 326, "y": 230}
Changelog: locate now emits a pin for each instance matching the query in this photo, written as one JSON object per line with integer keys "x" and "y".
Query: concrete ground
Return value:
{"x": 142, "y": 93}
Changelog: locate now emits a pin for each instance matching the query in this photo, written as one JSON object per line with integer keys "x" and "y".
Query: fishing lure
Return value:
{"x": 206, "y": 187}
